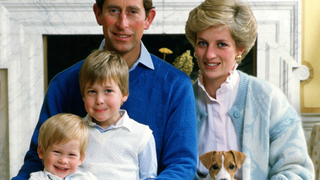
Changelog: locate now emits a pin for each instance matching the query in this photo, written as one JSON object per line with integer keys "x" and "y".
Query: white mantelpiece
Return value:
{"x": 24, "y": 22}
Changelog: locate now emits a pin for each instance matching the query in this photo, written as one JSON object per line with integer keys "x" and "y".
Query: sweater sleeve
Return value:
{"x": 289, "y": 157}
{"x": 179, "y": 154}
{"x": 273, "y": 138}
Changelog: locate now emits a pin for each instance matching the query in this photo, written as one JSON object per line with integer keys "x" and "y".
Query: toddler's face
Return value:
{"x": 62, "y": 159}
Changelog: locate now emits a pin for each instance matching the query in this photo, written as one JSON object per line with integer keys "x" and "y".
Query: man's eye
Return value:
{"x": 113, "y": 10}
{"x": 133, "y": 12}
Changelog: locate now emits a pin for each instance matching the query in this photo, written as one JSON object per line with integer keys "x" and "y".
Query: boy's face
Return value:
{"x": 61, "y": 159}
{"x": 103, "y": 102}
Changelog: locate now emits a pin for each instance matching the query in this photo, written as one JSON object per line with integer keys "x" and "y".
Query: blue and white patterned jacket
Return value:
{"x": 269, "y": 132}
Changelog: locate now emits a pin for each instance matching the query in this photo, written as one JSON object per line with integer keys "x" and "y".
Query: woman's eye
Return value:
{"x": 222, "y": 45}
{"x": 201, "y": 43}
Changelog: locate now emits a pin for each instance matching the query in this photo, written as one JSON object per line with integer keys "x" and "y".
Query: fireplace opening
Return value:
{"x": 62, "y": 51}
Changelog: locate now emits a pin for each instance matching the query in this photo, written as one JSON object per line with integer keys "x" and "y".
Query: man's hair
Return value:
{"x": 147, "y": 4}
{"x": 233, "y": 14}
{"x": 62, "y": 128}
{"x": 101, "y": 66}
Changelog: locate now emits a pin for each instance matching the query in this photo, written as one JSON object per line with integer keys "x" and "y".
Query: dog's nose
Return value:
{"x": 224, "y": 179}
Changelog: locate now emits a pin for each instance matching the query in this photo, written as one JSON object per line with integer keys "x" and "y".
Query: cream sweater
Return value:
{"x": 113, "y": 154}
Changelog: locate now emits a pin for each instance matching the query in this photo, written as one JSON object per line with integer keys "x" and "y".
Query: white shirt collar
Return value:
{"x": 123, "y": 121}
{"x": 51, "y": 176}
{"x": 144, "y": 58}
{"x": 230, "y": 82}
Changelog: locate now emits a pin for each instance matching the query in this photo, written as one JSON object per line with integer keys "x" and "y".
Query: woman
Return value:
{"x": 240, "y": 112}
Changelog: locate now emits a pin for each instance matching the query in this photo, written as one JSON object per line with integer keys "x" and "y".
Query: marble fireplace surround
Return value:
{"x": 24, "y": 22}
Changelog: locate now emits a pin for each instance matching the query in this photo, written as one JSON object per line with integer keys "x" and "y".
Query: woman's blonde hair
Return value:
{"x": 233, "y": 14}
{"x": 63, "y": 128}
{"x": 102, "y": 65}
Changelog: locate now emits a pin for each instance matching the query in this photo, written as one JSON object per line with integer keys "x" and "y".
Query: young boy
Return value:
{"x": 63, "y": 140}
{"x": 119, "y": 148}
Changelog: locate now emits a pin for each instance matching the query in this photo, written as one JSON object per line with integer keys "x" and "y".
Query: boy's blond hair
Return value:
{"x": 102, "y": 65}
{"x": 63, "y": 128}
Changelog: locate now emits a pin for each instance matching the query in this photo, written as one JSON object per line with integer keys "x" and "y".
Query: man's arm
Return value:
{"x": 179, "y": 154}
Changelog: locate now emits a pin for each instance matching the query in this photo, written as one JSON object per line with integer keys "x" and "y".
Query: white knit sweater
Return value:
{"x": 113, "y": 154}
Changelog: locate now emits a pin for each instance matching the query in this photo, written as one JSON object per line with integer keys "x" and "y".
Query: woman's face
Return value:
{"x": 216, "y": 52}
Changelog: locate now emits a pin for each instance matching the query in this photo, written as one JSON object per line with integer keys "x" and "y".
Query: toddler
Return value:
{"x": 63, "y": 140}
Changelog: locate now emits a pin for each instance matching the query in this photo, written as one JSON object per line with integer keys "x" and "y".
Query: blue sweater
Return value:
{"x": 269, "y": 132}
{"x": 161, "y": 98}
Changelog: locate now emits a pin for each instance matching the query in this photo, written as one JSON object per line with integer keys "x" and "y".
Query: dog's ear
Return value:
{"x": 206, "y": 159}
{"x": 239, "y": 158}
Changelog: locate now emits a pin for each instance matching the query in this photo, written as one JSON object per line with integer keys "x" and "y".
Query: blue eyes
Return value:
{"x": 202, "y": 43}
{"x": 222, "y": 45}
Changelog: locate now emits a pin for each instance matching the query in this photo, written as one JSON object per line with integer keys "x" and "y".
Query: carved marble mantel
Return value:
{"x": 24, "y": 22}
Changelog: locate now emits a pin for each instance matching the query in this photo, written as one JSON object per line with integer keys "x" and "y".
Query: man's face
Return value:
{"x": 123, "y": 24}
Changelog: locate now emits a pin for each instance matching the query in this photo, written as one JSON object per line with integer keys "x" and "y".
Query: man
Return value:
{"x": 161, "y": 96}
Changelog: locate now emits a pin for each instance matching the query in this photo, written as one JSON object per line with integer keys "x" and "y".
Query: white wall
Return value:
{"x": 23, "y": 22}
